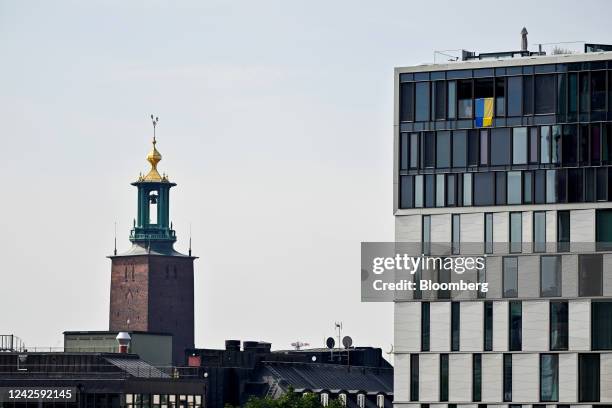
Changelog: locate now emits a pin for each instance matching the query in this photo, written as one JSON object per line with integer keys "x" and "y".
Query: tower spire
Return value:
{"x": 154, "y": 156}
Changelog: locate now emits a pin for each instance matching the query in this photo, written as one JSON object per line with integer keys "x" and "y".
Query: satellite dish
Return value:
{"x": 347, "y": 342}
{"x": 330, "y": 342}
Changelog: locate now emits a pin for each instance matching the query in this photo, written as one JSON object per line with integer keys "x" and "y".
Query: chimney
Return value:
{"x": 524, "y": 39}
{"x": 123, "y": 338}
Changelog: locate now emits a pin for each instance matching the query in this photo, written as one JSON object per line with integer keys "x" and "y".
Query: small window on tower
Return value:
{"x": 126, "y": 278}
{"x": 153, "y": 207}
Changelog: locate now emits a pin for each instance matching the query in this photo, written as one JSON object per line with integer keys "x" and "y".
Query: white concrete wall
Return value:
{"x": 579, "y": 320}
{"x": 407, "y": 323}
{"x": 401, "y": 377}
{"x": 569, "y": 275}
{"x": 536, "y": 325}
{"x": 605, "y": 369}
{"x": 525, "y": 377}
{"x": 408, "y": 228}
{"x": 528, "y": 276}
{"x": 460, "y": 377}
{"x": 568, "y": 377}
{"x": 492, "y": 375}
{"x": 471, "y": 327}
{"x": 439, "y": 338}
{"x": 429, "y": 377}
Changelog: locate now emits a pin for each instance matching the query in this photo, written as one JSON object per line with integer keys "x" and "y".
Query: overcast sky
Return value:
{"x": 275, "y": 121}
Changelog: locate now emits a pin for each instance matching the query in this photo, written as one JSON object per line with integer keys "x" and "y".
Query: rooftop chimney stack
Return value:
{"x": 123, "y": 338}
{"x": 524, "y": 39}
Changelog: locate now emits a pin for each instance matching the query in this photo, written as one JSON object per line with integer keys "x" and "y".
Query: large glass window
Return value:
{"x": 544, "y": 94}
{"x": 598, "y": 90}
{"x": 601, "y": 184}
{"x": 464, "y": 95}
{"x": 429, "y": 149}
{"x": 514, "y": 187}
{"x": 488, "y": 326}
{"x": 440, "y": 196}
{"x": 406, "y": 192}
{"x": 539, "y": 231}
{"x": 584, "y": 92}
{"x": 451, "y": 190}
{"x": 476, "y": 377}
{"x": 484, "y": 188}
{"x": 572, "y": 93}
{"x": 500, "y": 97}
{"x": 588, "y": 377}
{"x": 516, "y": 325}
{"x": 545, "y": 136}
{"x": 407, "y": 101}
{"x": 404, "y": 151}
{"x": 414, "y": 377}
{"x": 452, "y": 100}
{"x": 549, "y": 377}
{"x": 528, "y": 187}
{"x": 550, "y": 276}
{"x": 510, "y": 277}
{"x": 601, "y": 325}
{"x": 575, "y": 185}
{"x": 467, "y": 189}
{"x": 500, "y": 187}
{"x": 488, "y": 232}
{"x": 603, "y": 229}
{"x": 583, "y": 143}
{"x": 528, "y": 95}
{"x": 515, "y": 96}
{"x": 473, "y": 151}
{"x": 426, "y": 238}
{"x": 414, "y": 150}
{"x": 418, "y": 191}
{"x": 455, "y": 324}
{"x": 539, "y": 186}
{"x": 422, "y": 101}
{"x": 430, "y": 192}
{"x": 519, "y": 145}
{"x": 456, "y": 233}
{"x": 484, "y": 147}
{"x": 443, "y": 377}
{"x": 439, "y": 104}
{"x": 590, "y": 273}
{"x": 559, "y": 328}
{"x": 459, "y": 148}
{"x": 507, "y": 377}
{"x": 555, "y": 144}
{"x": 595, "y": 144}
{"x": 533, "y": 145}
{"x": 570, "y": 145}
{"x": 425, "y": 326}
{"x": 443, "y": 149}
{"x": 516, "y": 231}
{"x": 501, "y": 148}
{"x": 551, "y": 186}
{"x": 561, "y": 94}
{"x": 563, "y": 231}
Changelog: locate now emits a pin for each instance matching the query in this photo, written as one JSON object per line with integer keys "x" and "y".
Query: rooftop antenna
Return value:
{"x": 115, "y": 250}
{"x": 154, "y": 120}
{"x": 524, "y": 39}
{"x": 189, "y": 239}
{"x": 338, "y": 326}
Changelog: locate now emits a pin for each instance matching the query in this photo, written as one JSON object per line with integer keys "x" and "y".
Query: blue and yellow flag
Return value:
{"x": 484, "y": 112}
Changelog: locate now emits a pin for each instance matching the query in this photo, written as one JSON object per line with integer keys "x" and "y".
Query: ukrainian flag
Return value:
{"x": 484, "y": 112}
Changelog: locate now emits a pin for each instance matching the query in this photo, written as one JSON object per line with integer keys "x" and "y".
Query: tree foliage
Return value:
{"x": 290, "y": 399}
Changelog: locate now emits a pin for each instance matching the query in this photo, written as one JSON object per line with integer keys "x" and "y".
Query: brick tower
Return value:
{"x": 151, "y": 283}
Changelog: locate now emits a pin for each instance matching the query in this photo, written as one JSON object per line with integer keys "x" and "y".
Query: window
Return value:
{"x": 443, "y": 149}
{"x": 583, "y": 82}
{"x": 500, "y": 97}
{"x": 153, "y": 198}
{"x": 603, "y": 229}
{"x": 414, "y": 377}
{"x": 559, "y": 329}
{"x": 500, "y": 147}
{"x": 590, "y": 268}
{"x": 451, "y": 190}
{"x": 519, "y": 145}
{"x": 455, "y": 324}
{"x": 459, "y": 148}
{"x": 404, "y": 152}
{"x": 507, "y": 377}
{"x": 467, "y": 189}
{"x": 484, "y": 147}
{"x": 555, "y": 144}
{"x": 439, "y": 99}
{"x": 426, "y": 239}
{"x": 473, "y": 152}
{"x": 456, "y": 233}
{"x": 601, "y": 184}
{"x": 528, "y": 95}
{"x": 342, "y": 399}
{"x": 443, "y": 377}
{"x": 484, "y": 189}
{"x": 545, "y": 136}
{"x": 418, "y": 191}
{"x": 440, "y": 187}
{"x": 516, "y": 326}
{"x": 414, "y": 150}
{"x": 515, "y": 96}
{"x": 452, "y": 100}
{"x": 407, "y": 101}
{"x": 583, "y": 144}
{"x": 444, "y": 276}
{"x": 424, "y": 326}
{"x": 528, "y": 187}
{"x": 488, "y": 231}
{"x": 561, "y": 94}
{"x": 551, "y": 186}
{"x": 516, "y": 231}
{"x": 539, "y": 231}
{"x": 601, "y": 325}
{"x": 589, "y": 184}
{"x": 514, "y": 187}
{"x": 550, "y": 276}
{"x": 430, "y": 192}
{"x": 570, "y": 145}
{"x": 361, "y": 400}
{"x": 477, "y": 377}
{"x": 488, "y": 326}
{"x": 428, "y": 157}
{"x": 422, "y": 101}
{"x": 572, "y": 95}
{"x": 500, "y": 188}
{"x": 481, "y": 277}
{"x": 533, "y": 145}
{"x": 406, "y": 191}
{"x": 563, "y": 231}
{"x": 549, "y": 377}
{"x": 588, "y": 377}
{"x": 510, "y": 277}
{"x": 539, "y": 186}
{"x": 595, "y": 145}
{"x": 544, "y": 94}
{"x": 464, "y": 95}
{"x": 575, "y": 185}
{"x": 324, "y": 399}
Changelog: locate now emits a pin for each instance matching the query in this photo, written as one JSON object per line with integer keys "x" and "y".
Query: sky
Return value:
{"x": 275, "y": 121}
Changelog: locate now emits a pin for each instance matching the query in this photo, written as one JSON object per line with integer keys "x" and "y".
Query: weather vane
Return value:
{"x": 154, "y": 120}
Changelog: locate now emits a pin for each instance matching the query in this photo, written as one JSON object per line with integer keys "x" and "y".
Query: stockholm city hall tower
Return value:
{"x": 152, "y": 284}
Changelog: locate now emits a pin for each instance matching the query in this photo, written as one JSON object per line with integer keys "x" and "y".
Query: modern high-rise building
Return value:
{"x": 152, "y": 285}
{"x": 509, "y": 155}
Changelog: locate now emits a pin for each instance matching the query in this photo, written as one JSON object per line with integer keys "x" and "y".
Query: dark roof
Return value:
{"x": 332, "y": 377}
{"x": 154, "y": 248}
{"x": 137, "y": 367}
